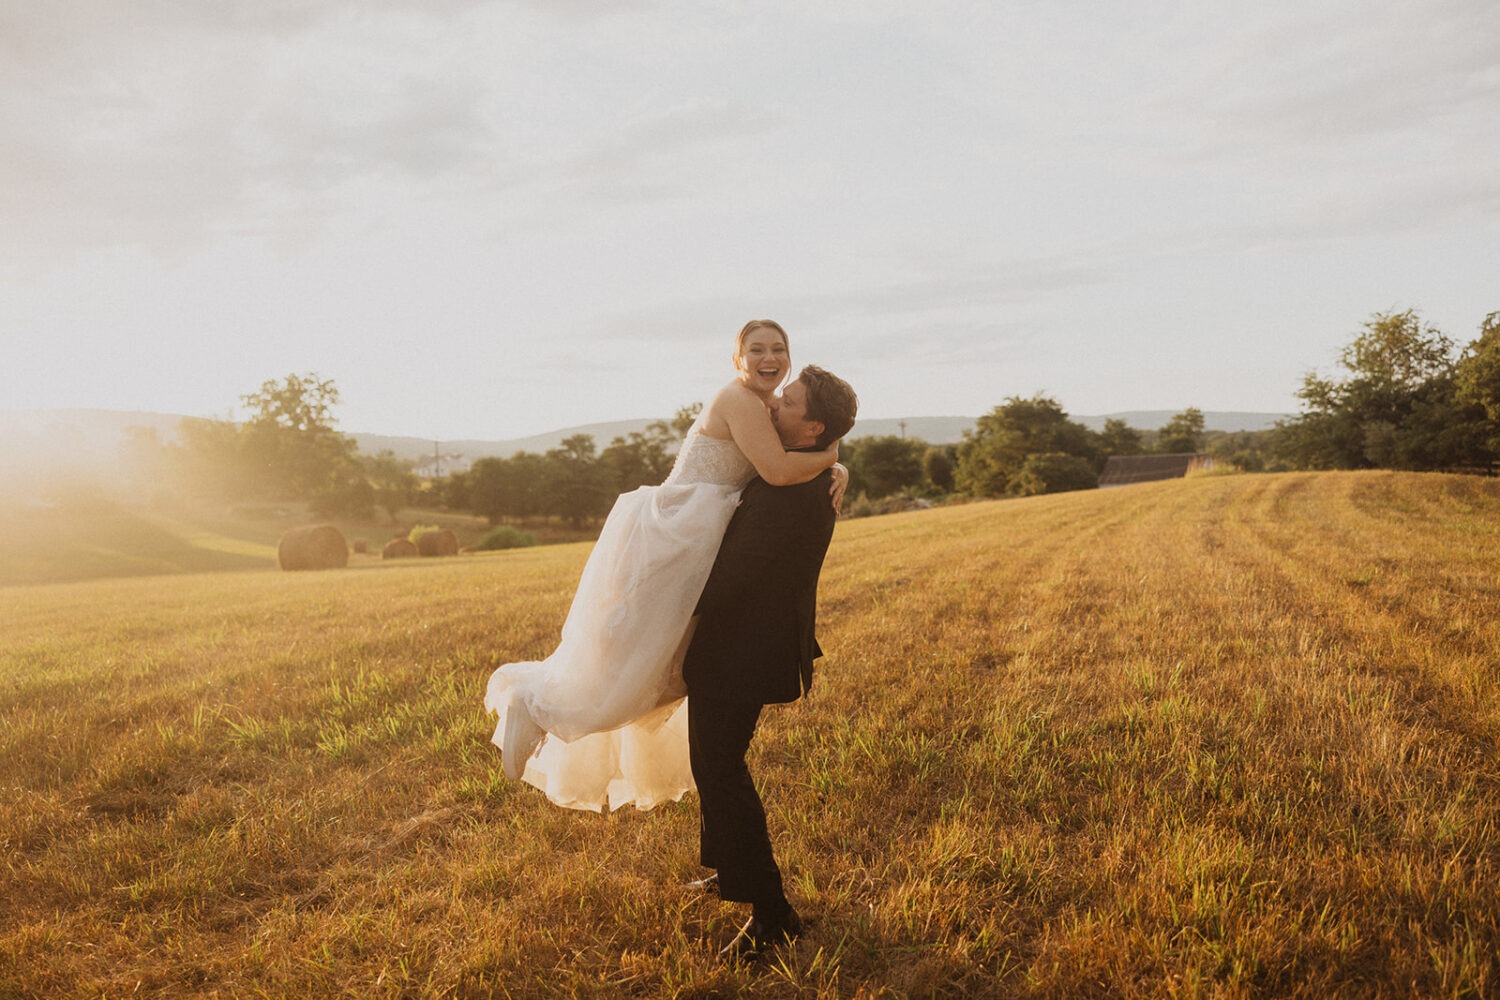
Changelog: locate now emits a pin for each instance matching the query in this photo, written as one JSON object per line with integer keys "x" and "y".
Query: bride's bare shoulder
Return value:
{"x": 734, "y": 395}
{"x": 727, "y": 407}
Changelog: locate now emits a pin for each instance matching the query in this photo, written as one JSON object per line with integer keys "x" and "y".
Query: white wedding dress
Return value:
{"x": 611, "y": 698}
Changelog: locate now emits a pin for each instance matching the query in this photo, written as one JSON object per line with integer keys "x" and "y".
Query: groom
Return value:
{"x": 754, "y": 646}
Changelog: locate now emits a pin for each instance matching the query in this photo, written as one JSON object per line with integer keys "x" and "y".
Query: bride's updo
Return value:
{"x": 748, "y": 329}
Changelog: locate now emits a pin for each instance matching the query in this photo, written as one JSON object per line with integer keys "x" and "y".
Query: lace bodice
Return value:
{"x": 704, "y": 459}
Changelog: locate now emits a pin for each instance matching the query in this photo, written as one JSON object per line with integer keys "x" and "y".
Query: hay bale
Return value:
{"x": 361, "y": 546}
{"x": 398, "y": 548}
{"x": 314, "y": 546}
{"x": 437, "y": 543}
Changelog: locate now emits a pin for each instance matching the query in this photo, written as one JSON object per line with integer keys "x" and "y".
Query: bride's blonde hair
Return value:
{"x": 751, "y": 327}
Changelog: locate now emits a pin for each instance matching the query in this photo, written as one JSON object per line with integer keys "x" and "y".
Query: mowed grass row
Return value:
{"x": 1225, "y": 736}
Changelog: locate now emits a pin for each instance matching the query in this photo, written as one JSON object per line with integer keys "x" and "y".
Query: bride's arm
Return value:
{"x": 750, "y": 427}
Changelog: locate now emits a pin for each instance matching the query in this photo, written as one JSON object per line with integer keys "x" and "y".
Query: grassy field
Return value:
{"x": 1218, "y": 737}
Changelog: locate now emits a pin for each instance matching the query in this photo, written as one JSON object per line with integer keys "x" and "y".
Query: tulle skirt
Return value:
{"x": 611, "y": 697}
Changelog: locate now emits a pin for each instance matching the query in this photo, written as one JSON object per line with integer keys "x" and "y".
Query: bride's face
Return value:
{"x": 763, "y": 360}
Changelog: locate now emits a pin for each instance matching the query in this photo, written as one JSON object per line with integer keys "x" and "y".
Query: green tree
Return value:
{"x": 1478, "y": 377}
{"x": 485, "y": 489}
{"x": 579, "y": 487}
{"x": 682, "y": 422}
{"x": 1119, "y": 438}
{"x": 289, "y": 444}
{"x": 937, "y": 467}
{"x": 352, "y": 496}
{"x": 1053, "y": 472}
{"x": 1182, "y": 433}
{"x": 993, "y": 453}
{"x": 1398, "y": 407}
{"x": 392, "y": 480}
{"x": 1248, "y": 451}
{"x": 886, "y": 464}
{"x": 518, "y": 486}
{"x": 450, "y": 491}
{"x": 641, "y": 458}
{"x": 530, "y": 478}
{"x": 644, "y": 458}
{"x": 300, "y": 403}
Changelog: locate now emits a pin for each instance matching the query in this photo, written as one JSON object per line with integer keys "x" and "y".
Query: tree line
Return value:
{"x": 1024, "y": 446}
{"x": 288, "y": 450}
{"x": 1406, "y": 397}
{"x": 574, "y": 481}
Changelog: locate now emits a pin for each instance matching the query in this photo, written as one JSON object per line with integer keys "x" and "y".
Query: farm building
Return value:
{"x": 1122, "y": 470}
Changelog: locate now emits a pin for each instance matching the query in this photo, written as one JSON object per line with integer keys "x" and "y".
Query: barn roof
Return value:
{"x": 1122, "y": 470}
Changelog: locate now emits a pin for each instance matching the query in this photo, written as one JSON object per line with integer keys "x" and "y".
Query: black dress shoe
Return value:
{"x": 756, "y": 939}
{"x": 708, "y": 885}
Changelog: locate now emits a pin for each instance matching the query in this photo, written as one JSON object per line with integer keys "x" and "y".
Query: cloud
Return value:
{"x": 168, "y": 123}
{"x": 656, "y": 156}
{"x": 320, "y": 137}
{"x": 918, "y": 303}
{"x": 1396, "y": 207}
{"x": 1324, "y": 77}
{"x": 165, "y": 123}
{"x": 573, "y": 364}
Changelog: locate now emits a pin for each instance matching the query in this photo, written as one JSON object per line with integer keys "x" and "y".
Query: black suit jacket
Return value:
{"x": 755, "y": 640}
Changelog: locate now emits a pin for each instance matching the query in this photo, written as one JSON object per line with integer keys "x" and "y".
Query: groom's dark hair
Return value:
{"x": 830, "y": 401}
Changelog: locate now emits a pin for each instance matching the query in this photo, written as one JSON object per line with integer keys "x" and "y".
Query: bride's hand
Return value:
{"x": 839, "y": 485}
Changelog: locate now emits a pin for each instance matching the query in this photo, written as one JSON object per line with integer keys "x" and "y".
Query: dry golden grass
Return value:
{"x": 1220, "y": 737}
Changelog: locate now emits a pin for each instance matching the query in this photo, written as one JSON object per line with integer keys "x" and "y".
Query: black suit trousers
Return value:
{"x": 733, "y": 836}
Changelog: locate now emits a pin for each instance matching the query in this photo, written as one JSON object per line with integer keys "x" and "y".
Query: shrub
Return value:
{"x": 352, "y": 497}
{"x": 1052, "y": 472}
{"x": 863, "y": 506}
{"x": 506, "y": 537}
{"x": 860, "y": 506}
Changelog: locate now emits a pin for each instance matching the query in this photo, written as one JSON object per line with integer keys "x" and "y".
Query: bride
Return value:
{"x": 612, "y": 693}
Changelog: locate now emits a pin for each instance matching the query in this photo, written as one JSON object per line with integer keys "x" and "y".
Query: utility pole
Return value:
{"x": 902, "y": 424}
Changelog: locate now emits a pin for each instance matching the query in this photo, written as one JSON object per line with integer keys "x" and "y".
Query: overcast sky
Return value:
{"x": 491, "y": 219}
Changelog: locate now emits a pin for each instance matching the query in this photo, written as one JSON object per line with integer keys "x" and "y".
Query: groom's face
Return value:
{"x": 789, "y": 414}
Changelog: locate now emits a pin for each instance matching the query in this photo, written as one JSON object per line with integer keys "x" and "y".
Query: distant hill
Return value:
{"x": 80, "y": 439}
{"x": 1213, "y": 420}
{"x": 934, "y": 430}
{"x": 416, "y": 448}
{"x": 85, "y": 440}
{"x": 944, "y": 430}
